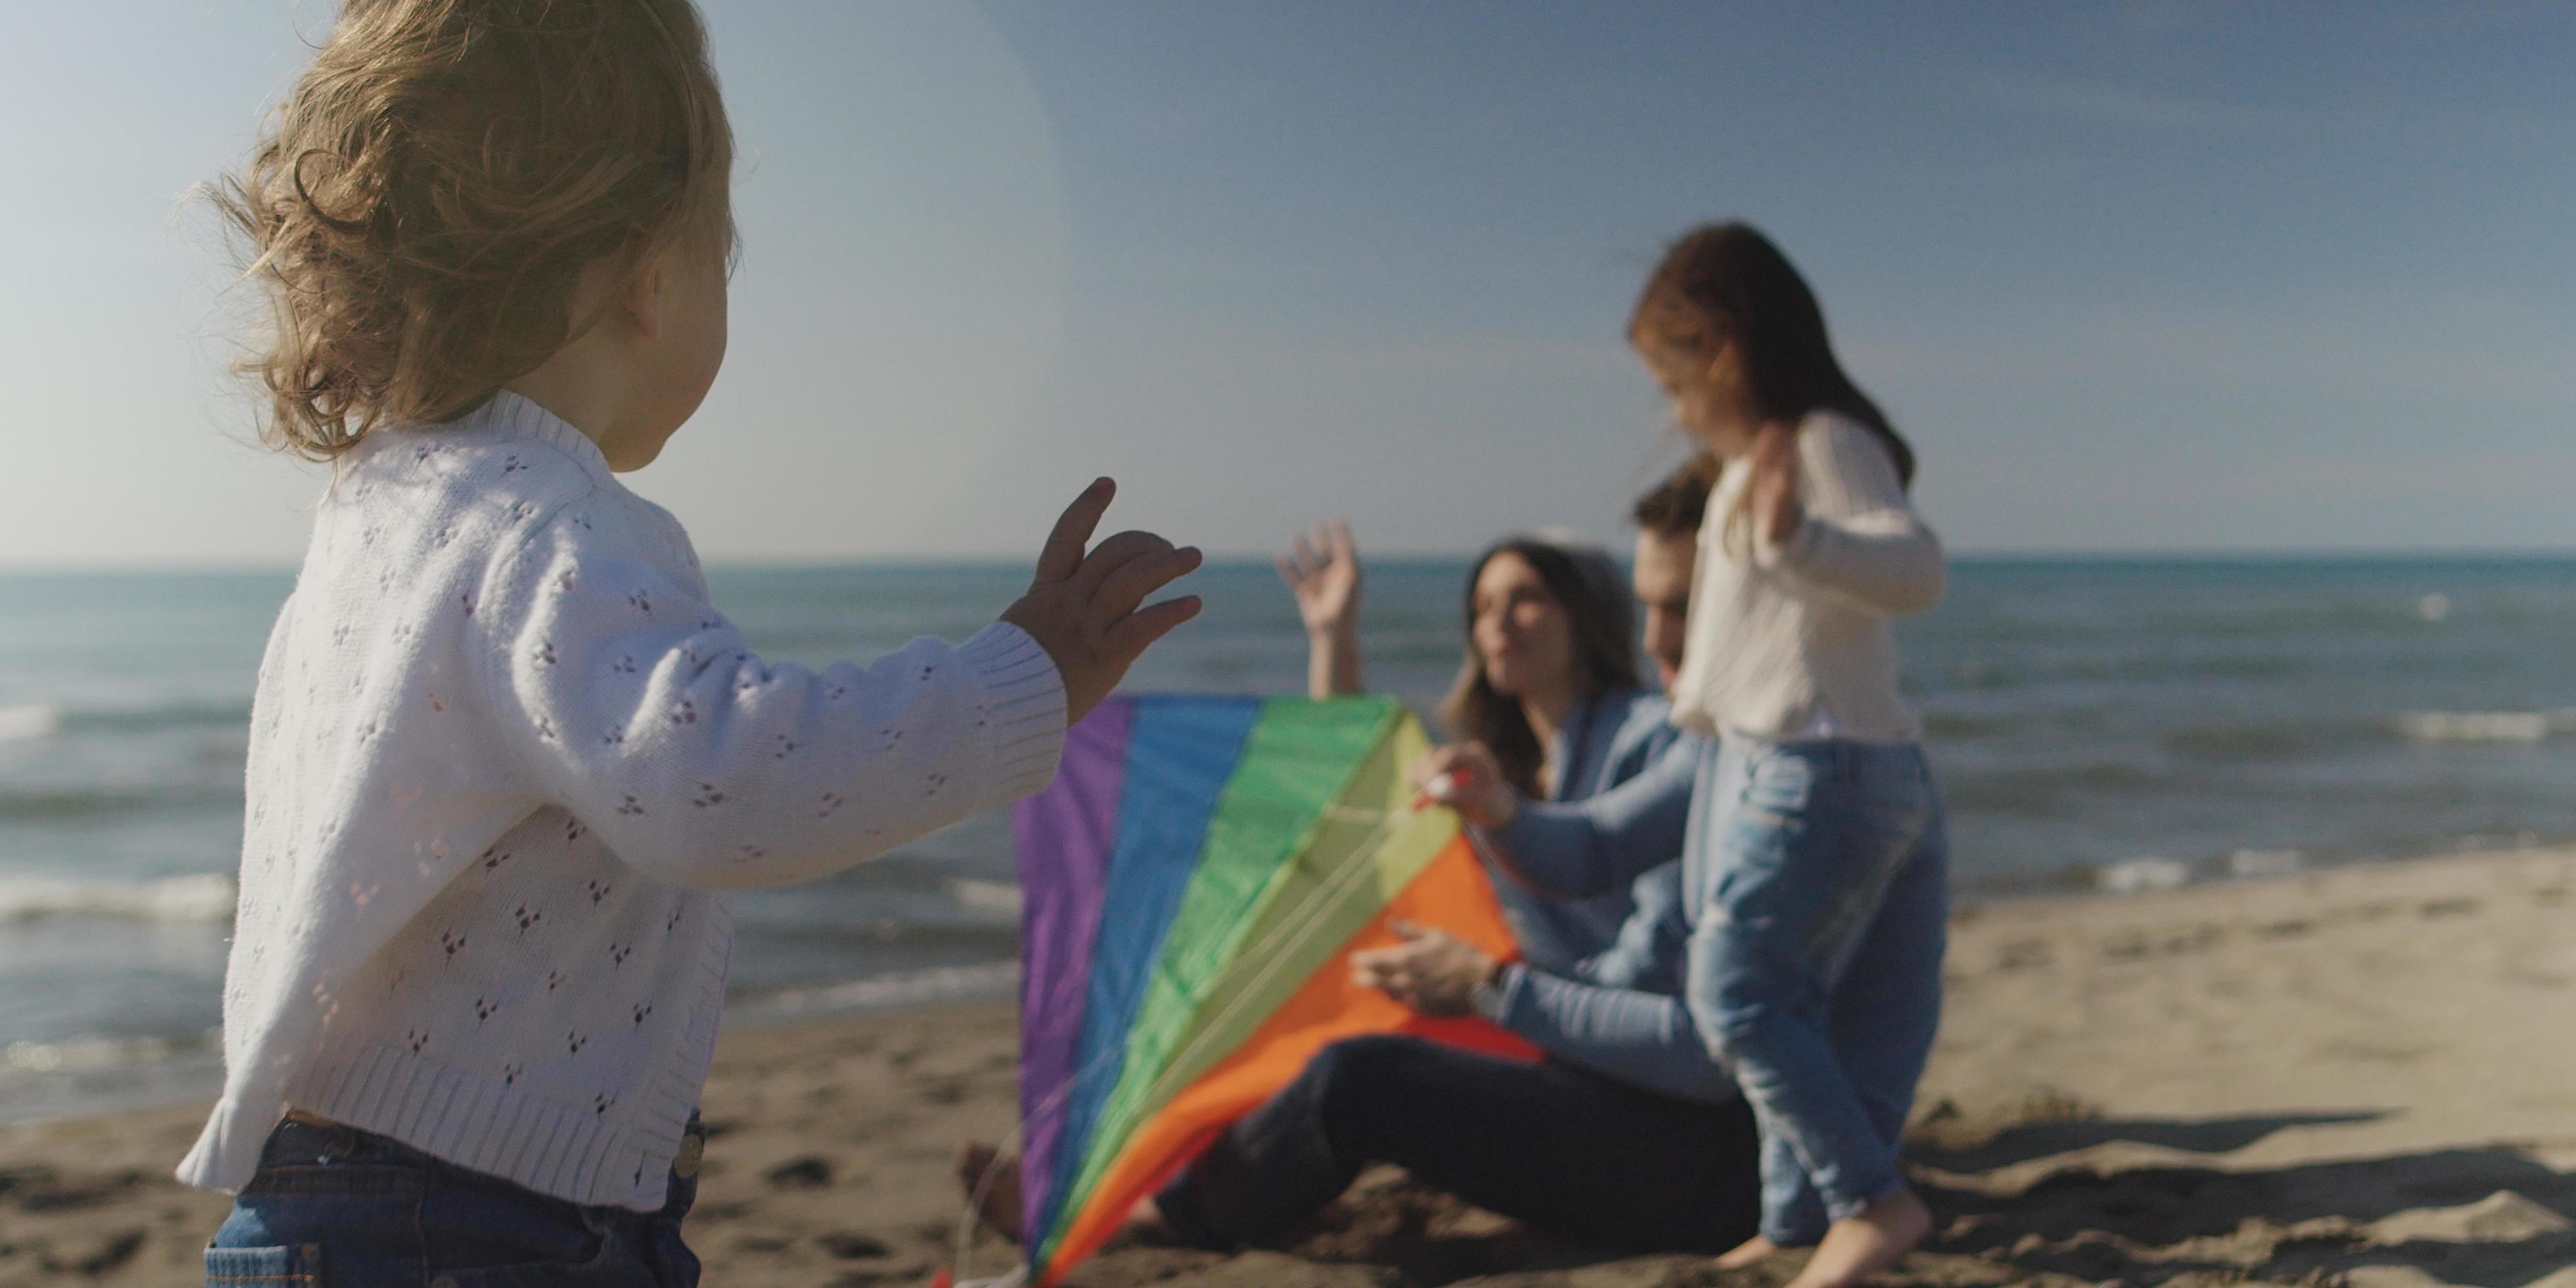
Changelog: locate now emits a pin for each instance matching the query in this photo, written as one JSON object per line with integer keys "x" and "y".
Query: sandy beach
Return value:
{"x": 2360, "y": 1076}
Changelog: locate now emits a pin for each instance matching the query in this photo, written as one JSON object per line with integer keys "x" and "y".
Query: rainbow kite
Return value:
{"x": 1193, "y": 884}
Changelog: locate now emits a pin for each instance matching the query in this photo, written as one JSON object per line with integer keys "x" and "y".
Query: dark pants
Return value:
{"x": 1564, "y": 1150}
{"x": 334, "y": 1206}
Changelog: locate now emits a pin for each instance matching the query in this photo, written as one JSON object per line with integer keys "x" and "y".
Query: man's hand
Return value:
{"x": 1432, "y": 971}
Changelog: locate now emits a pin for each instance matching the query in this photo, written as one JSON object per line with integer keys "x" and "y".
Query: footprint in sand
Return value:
{"x": 2135, "y": 947}
{"x": 42, "y": 1189}
{"x": 95, "y": 1255}
{"x": 2022, "y": 954}
{"x": 850, "y": 1245}
{"x": 892, "y": 1277}
{"x": 812, "y": 1172}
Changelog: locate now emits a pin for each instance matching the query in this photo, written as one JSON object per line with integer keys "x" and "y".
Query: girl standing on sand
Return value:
{"x": 1814, "y": 851}
{"x": 506, "y": 756}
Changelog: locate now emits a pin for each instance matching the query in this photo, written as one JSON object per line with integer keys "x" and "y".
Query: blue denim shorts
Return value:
{"x": 334, "y": 1207}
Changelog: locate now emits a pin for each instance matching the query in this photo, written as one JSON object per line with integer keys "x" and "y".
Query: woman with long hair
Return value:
{"x": 1549, "y": 682}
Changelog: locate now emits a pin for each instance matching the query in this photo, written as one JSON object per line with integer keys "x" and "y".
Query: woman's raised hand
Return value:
{"x": 1323, "y": 571}
{"x": 1322, "y": 568}
{"x": 1466, "y": 777}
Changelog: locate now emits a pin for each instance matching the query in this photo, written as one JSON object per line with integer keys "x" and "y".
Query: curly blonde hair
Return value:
{"x": 424, "y": 204}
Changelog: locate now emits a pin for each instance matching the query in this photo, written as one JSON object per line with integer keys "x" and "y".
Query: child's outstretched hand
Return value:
{"x": 1084, "y": 608}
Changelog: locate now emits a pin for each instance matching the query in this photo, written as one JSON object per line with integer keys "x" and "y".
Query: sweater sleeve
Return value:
{"x": 1591, "y": 846}
{"x": 1643, "y": 1039}
{"x": 629, "y": 701}
{"x": 1861, "y": 538}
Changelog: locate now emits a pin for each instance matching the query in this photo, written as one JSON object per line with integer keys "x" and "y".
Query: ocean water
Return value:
{"x": 2115, "y": 725}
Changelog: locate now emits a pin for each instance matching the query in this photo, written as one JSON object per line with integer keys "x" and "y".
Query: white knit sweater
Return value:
{"x": 1789, "y": 639}
{"x": 503, "y": 757}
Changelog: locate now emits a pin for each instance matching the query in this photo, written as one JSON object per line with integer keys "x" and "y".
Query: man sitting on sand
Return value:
{"x": 1627, "y": 1134}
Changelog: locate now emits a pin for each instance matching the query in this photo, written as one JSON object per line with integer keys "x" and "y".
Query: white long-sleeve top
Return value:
{"x": 504, "y": 758}
{"x": 1791, "y": 638}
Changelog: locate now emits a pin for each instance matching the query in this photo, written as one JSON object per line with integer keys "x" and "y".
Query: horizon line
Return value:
{"x": 1995, "y": 555}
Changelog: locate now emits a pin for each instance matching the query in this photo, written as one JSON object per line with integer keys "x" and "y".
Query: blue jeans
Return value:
{"x": 1818, "y": 877}
{"x": 334, "y": 1206}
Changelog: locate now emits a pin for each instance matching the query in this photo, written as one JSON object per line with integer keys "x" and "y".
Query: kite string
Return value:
{"x": 1012, "y": 1141}
{"x": 1346, "y": 814}
{"x": 1308, "y": 915}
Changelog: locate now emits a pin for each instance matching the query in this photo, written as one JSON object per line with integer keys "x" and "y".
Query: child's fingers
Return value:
{"x": 1142, "y": 576}
{"x": 1062, "y": 555}
{"x": 1138, "y": 630}
{"x": 1112, "y": 554}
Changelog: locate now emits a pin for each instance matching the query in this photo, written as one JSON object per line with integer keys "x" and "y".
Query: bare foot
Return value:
{"x": 993, "y": 1185}
{"x": 1758, "y": 1248}
{"x": 1857, "y": 1247}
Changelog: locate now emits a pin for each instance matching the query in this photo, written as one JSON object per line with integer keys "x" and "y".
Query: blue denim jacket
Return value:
{"x": 1609, "y": 740}
{"x": 1619, "y": 1013}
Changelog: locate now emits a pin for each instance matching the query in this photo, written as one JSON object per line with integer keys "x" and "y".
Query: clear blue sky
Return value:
{"x": 2133, "y": 277}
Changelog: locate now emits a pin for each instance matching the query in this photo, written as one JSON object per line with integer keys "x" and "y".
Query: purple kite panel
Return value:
{"x": 1063, "y": 835}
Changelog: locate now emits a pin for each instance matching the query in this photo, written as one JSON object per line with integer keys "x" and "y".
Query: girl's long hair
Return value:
{"x": 1727, "y": 281}
{"x": 1595, "y": 598}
